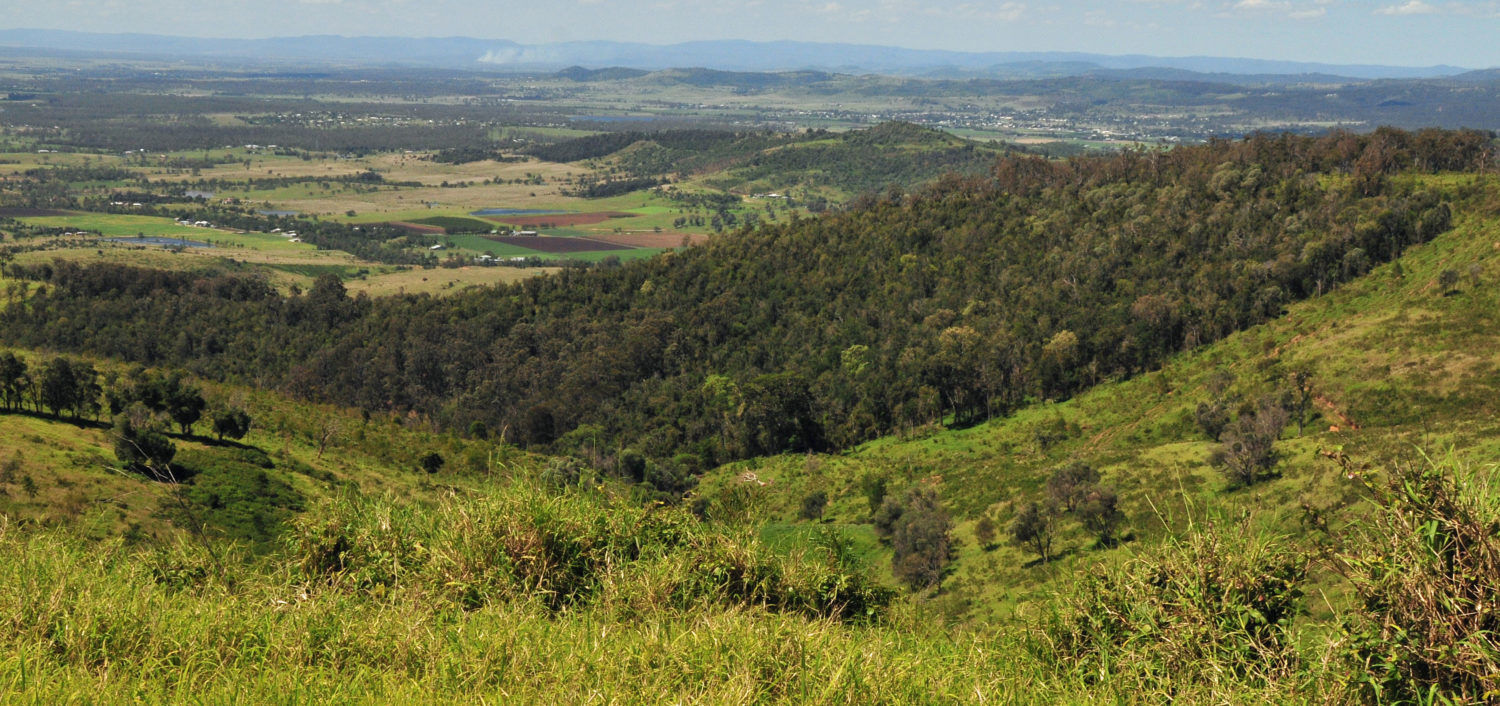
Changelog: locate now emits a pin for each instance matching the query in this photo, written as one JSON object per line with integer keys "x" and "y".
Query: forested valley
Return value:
{"x": 952, "y": 304}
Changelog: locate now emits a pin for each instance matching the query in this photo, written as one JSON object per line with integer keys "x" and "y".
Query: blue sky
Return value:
{"x": 1396, "y": 32}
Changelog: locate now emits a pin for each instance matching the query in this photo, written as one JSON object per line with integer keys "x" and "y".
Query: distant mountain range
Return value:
{"x": 727, "y": 55}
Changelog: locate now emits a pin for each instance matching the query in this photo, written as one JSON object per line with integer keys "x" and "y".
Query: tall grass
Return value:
{"x": 521, "y": 595}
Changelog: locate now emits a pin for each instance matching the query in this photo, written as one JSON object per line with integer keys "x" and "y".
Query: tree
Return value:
{"x": 1032, "y": 529}
{"x": 231, "y": 422}
{"x": 143, "y": 450}
{"x": 873, "y": 485}
{"x": 432, "y": 462}
{"x": 58, "y": 387}
{"x": 920, "y": 539}
{"x": 183, "y": 403}
{"x": 1211, "y": 418}
{"x": 813, "y": 504}
{"x": 985, "y": 531}
{"x": 1099, "y": 513}
{"x": 1247, "y": 450}
{"x": 13, "y": 380}
{"x": 1301, "y": 396}
{"x": 1070, "y": 484}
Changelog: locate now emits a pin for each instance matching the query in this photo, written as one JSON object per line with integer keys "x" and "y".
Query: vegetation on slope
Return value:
{"x": 817, "y": 165}
{"x": 957, "y": 304}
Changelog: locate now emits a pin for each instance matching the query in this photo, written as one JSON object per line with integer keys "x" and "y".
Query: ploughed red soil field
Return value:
{"x": 557, "y": 220}
{"x": 32, "y": 212}
{"x": 651, "y": 240}
{"x": 551, "y": 244}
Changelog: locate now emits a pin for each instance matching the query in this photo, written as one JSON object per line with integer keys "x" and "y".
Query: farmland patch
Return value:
{"x": 651, "y": 240}
{"x": 551, "y": 245}
{"x": 563, "y": 220}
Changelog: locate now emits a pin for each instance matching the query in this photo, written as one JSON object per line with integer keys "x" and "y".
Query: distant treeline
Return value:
{"x": 953, "y": 304}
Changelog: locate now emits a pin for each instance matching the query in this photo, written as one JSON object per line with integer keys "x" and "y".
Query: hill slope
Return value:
{"x": 1400, "y": 361}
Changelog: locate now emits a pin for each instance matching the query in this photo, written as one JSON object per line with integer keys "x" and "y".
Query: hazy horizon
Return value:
{"x": 1413, "y": 33}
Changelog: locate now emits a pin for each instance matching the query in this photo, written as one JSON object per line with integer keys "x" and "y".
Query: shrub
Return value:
{"x": 1214, "y": 605}
{"x": 1426, "y": 571}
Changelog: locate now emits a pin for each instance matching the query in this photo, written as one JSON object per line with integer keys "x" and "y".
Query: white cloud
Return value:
{"x": 1412, "y": 7}
{"x": 1308, "y": 14}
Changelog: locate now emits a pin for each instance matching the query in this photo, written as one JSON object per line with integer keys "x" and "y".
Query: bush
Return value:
{"x": 813, "y": 504}
{"x": 562, "y": 551}
{"x": 1426, "y": 571}
{"x": 921, "y": 540}
{"x": 1212, "y": 606}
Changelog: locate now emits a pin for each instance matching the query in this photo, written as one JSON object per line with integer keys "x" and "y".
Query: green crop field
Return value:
{"x": 456, "y": 224}
{"x": 111, "y": 225}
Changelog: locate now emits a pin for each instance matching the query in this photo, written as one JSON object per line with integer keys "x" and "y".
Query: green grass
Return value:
{"x": 457, "y": 224}
{"x": 112, "y": 225}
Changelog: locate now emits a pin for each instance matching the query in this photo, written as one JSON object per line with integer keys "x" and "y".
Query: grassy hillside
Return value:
{"x": 1399, "y": 363}
{"x": 65, "y": 474}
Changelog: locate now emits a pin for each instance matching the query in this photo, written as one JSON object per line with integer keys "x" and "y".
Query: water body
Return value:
{"x": 198, "y": 194}
{"x": 281, "y": 214}
{"x": 165, "y": 242}
{"x": 514, "y": 212}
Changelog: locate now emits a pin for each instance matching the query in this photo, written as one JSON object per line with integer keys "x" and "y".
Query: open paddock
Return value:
{"x": 558, "y": 220}
{"x": 441, "y": 280}
{"x": 33, "y": 213}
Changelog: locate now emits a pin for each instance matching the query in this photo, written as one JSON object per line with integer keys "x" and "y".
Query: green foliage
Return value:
{"x": 985, "y": 531}
{"x": 1070, "y": 485}
{"x": 1248, "y": 452}
{"x": 937, "y": 298}
{"x": 563, "y": 551}
{"x": 1034, "y": 527}
{"x": 1099, "y": 513}
{"x": 231, "y": 422}
{"x": 457, "y": 224}
{"x": 1425, "y": 567}
{"x": 235, "y": 495}
{"x": 1211, "y": 418}
{"x": 1212, "y": 607}
{"x": 921, "y": 539}
{"x": 144, "y": 450}
{"x": 13, "y": 380}
{"x": 813, "y": 505}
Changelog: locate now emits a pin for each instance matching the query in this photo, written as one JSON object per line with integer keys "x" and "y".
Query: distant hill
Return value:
{"x": 724, "y": 55}
{"x": 817, "y": 163}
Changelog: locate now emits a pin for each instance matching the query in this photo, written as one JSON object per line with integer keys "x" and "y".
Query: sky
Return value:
{"x": 1389, "y": 32}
